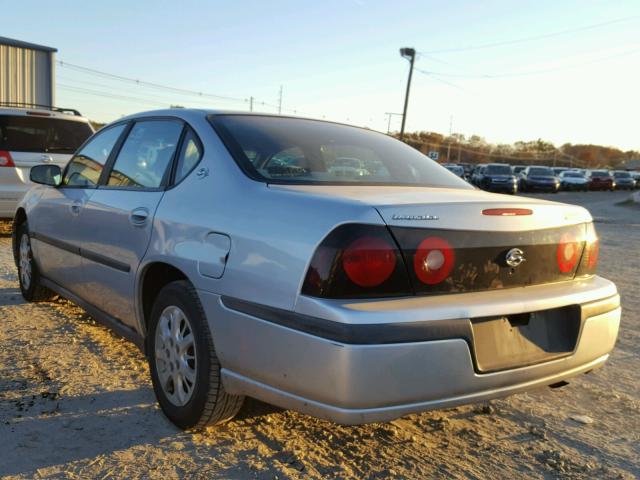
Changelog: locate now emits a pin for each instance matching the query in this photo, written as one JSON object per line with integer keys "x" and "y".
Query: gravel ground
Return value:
{"x": 76, "y": 402}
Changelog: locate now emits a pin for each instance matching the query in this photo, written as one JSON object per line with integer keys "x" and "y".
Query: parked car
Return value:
{"x": 354, "y": 300}
{"x": 477, "y": 173}
{"x": 33, "y": 135}
{"x": 624, "y": 180}
{"x": 457, "y": 169}
{"x": 573, "y": 180}
{"x": 636, "y": 177}
{"x": 497, "y": 177}
{"x": 534, "y": 178}
{"x": 517, "y": 169}
{"x": 601, "y": 180}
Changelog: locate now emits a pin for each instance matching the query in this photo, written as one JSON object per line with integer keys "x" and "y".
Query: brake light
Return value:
{"x": 369, "y": 261}
{"x": 5, "y": 159}
{"x": 357, "y": 261}
{"x": 434, "y": 260}
{"x": 567, "y": 253}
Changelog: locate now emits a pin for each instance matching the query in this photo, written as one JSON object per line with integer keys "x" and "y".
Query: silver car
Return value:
{"x": 32, "y": 135}
{"x": 225, "y": 248}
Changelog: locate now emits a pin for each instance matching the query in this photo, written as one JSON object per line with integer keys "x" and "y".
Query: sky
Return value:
{"x": 507, "y": 70}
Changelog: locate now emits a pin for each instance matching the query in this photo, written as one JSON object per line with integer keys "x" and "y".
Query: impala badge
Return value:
{"x": 514, "y": 257}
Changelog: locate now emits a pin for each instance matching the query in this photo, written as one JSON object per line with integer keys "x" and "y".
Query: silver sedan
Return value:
{"x": 226, "y": 246}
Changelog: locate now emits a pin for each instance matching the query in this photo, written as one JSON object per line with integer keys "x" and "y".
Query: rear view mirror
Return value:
{"x": 46, "y": 175}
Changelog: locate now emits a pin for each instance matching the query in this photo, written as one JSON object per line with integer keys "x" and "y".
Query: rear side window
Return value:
{"x": 300, "y": 151}
{"x": 85, "y": 168}
{"x": 38, "y": 134}
{"x": 190, "y": 155}
{"x": 146, "y": 154}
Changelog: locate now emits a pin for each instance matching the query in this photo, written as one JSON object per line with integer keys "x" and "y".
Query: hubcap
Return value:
{"x": 175, "y": 355}
{"x": 25, "y": 261}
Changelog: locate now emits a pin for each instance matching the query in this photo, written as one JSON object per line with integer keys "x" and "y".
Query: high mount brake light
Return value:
{"x": 434, "y": 260}
{"x": 567, "y": 253}
{"x": 5, "y": 159}
{"x": 357, "y": 261}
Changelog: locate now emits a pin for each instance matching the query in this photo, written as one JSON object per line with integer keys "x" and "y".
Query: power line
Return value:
{"x": 531, "y": 38}
{"x": 529, "y": 72}
{"x": 135, "y": 81}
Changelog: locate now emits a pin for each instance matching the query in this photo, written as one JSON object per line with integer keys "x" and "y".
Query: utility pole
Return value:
{"x": 449, "y": 146}
{"x": 280, "y": 102}
{"x": 389, "y": 115}
{"x": 251, "y": 104}
{"x": 409, "y": 54}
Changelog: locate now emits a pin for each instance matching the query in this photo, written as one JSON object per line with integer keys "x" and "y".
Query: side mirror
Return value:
{"x": 46, "y": 175}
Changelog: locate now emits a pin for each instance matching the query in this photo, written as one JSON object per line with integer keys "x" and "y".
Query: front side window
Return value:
{"x": 300, "y": 151}
{"x": 146, "y": 154}
{"x": 85, "y": 167}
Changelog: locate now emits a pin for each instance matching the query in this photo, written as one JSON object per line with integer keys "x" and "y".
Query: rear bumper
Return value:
{"x": 10, "y": 196}
{"x": 363, "y": 382}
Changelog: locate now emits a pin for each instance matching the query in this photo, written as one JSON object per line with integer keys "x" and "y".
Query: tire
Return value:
{"x": 191, "y": 404}
{"x": 28, "y": 273}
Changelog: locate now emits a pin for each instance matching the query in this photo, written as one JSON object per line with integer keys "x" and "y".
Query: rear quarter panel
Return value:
{"x": 273, "y": 233}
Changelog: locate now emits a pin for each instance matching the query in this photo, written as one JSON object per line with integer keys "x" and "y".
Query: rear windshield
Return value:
{"x": 541, "y": 171}
{"x": 300, "y": 151}
{"x": 499, "y": 170}
{"x": 37, "y": 134}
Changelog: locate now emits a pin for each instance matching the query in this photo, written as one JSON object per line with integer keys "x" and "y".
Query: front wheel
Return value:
{"x": 28, "y": 273}
{"x": 185, "y": 369}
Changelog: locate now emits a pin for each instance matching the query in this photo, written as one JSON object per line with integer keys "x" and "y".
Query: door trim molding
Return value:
{"x": 84, "y": 253}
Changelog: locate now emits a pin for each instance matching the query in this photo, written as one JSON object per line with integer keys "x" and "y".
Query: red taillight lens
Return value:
{"x": 369, "y": 261}
{"x": 592, "y": 251}
{"x": 5, "y": 159}
{"x": 357, "y": 261}
{"x": 434, "y": 260}
{"x": 567, "y": 253}
{"x": 589, "y": 260}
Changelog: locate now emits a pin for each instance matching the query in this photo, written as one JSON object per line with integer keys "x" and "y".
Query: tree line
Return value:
{"x": 457, "y": 148}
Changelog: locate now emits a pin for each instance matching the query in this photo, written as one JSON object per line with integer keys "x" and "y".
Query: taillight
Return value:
{"x": 567, "y": 253}
{"x": 357, "y": 261}
{"x": 369, "y": 261}
{"x": 5, "y": 159}
{"x": 589, "y": 260}
{"x": 434, "y": 260}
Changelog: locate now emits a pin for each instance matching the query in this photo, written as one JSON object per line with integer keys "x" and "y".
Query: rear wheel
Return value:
{"x": 185, "y": 370}
{"x": 28, "y": 273}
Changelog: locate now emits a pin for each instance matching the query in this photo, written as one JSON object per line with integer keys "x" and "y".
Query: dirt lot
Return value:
{"x": 76, "y": 402}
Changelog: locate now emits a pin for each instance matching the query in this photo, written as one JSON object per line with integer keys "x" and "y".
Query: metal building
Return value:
{"x": 27, "y": 72}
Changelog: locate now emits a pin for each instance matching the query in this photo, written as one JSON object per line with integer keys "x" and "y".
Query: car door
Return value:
{"x": 117, "y": 220}
{"x": 54, "y": 219}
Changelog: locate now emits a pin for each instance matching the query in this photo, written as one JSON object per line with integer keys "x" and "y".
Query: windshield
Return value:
{"x": 622, "y": 175}
{"x": 499, "y": 170}
{"x": 36, "y": 134}
{"x": 300, "y": 151}
{"x": 542, "y": 171}
{"x": 600, "y": 173}
{"x": 572, "y": 174}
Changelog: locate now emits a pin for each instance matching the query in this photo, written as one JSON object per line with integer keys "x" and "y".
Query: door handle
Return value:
{"x": 139, "y": 216}
{"x": 75, "y": 207}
